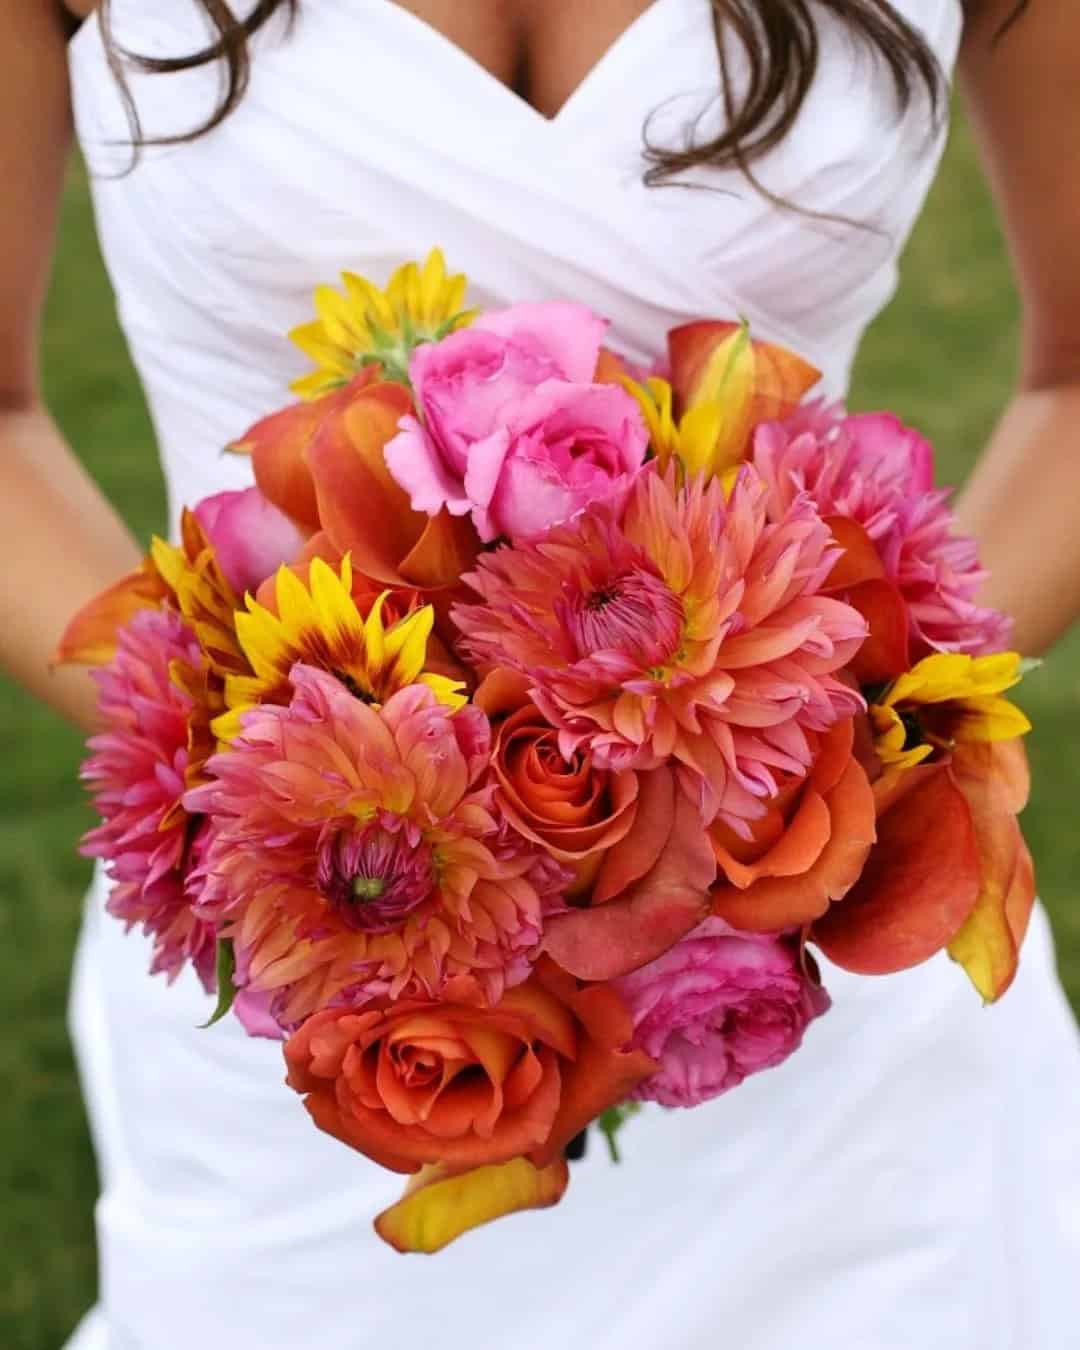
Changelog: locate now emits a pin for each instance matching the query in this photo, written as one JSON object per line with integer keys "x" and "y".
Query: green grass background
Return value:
{"x": 942, "y": 357}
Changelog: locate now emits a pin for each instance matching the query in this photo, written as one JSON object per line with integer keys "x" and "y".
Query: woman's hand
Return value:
{"x": 1023, "y": 501}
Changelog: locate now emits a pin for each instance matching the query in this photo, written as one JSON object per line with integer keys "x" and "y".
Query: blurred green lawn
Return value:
{"x": 942, "y": 357}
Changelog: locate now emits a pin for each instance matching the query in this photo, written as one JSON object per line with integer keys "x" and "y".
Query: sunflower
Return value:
{"x": 366, "y": 325}
{"x": 321, "y": 625}
{"x": 947, "y": 699}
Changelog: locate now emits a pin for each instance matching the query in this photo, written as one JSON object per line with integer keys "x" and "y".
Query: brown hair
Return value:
{"x": 779, "y": 40}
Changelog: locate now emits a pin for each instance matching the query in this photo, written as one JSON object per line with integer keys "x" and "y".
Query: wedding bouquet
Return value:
{"x": 510, "y": 747}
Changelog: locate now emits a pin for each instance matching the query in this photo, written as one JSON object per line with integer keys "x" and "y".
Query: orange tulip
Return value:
{"x": 808, "y": 850}
{"x": 920, "y": 882}
{"x": 994, "y": 780}
{"x": 859, "y": 579}
{"x": 719, "y": 363}
{"x": 278, "y": 447}
{"x": 366, "y": 514}
{"x": 90, "y": 636}
{"x": 464, "y": 1085}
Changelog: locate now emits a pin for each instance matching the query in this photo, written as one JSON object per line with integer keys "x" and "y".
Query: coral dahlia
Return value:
{"x": 686, "y": 625}
{"x": 354, "y": 852}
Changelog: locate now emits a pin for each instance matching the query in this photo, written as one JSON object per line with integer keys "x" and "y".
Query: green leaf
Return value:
{"x": 611, "y": 1121}
{"x": 226, "y": 968}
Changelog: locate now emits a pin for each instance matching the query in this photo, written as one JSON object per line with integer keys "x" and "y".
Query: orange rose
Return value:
{"x": 465, "y": 1085}
{"x": 807, "y": 851}
{"x": 574, "y": 810}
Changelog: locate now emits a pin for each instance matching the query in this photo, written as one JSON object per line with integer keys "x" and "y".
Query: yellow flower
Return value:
{"x": 366, "y": 324}
{"x": 947, "y": 699}
{"x": 692, "y": 440}
{"x": 322, "y": 626}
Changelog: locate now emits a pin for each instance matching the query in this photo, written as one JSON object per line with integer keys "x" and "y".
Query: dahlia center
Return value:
{"x": 636, "y": 614}
{"x": 375, "y": 877}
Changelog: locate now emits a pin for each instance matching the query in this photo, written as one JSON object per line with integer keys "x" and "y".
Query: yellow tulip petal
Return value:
{"x": 439, "y": 1206}
{"x": 702, "y": 431}
{"x": 729, "y": 371}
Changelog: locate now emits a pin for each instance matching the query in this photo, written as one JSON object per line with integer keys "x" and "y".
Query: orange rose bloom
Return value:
{"x": 808, "y": 849}
{"x": 463, "y": 1084}
{"x": 574, "y": 810}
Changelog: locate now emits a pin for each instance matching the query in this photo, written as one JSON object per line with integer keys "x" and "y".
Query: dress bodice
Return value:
{"x": 366, "y": 137}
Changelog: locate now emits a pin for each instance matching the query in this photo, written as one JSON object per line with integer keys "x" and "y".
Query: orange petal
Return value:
{"x": 610, "y": 368}
{"x": 988, "y": 945}
{"x": 448, "y": 546}
{"x": 919, "y": 885}
{"x": 441, "y": 1203}
{"x": 860, "y": 560}
{"x": 361, "y": 508}
{"x": 277, "y": 445}
{"x": 90, "y": 637}
{"x": 884, "y": 654}
{"x": 633, "y": 857}
{"x": 502, "y": 691}
{"x": 1004, "y": 763}
{"x": 780, "y": 380}
{"x": 597, "y": 1079}
{"x": 777, "y": 902}
{"x": 655, "y": 911}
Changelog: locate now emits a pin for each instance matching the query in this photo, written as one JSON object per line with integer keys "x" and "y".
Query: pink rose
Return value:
{"x": 468, "y": 386}
{"x": 718, "y": 1006}
{"x": 250, "y": 536}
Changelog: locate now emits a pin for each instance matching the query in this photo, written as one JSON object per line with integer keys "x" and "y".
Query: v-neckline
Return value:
{"x": 608, "y": 59}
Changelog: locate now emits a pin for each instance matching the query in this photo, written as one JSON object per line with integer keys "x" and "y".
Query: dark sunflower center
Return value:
{"x": 354, "y": 686}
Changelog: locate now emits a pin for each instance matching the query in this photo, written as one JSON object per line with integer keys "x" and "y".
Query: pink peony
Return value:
{"x": 684, "y": 626}
{"x": 355, "y": 854}
{"x": 880, "y": 473}
{"x": 136, "y": 772}
{"x": 490, "y": 443}
{"x": 717, "y": 1007}
{"x": 249, "y": 535}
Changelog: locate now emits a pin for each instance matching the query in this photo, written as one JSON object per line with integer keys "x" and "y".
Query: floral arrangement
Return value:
{"x": 508, "y": 749}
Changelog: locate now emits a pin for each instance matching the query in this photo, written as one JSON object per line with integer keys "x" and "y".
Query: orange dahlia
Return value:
{"x": 354, "y": 852}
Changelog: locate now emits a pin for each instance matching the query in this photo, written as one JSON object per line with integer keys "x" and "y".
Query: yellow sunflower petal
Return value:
{"x": 988, "y": 717}
{"x": 335, "y": 609}
{"x": 451, "y": 693}
{"x": 375, "y": 634}
{"x": 406, "y": 644}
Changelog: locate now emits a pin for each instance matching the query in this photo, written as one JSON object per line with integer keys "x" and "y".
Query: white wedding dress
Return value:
{"x": 912, "y": 1177}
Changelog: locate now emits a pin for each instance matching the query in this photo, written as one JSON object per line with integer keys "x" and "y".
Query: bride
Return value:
{"x": 912, "y": 1178}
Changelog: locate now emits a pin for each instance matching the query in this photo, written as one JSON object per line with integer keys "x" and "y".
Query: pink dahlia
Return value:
{"x": 136, "y": 772}
{"x": 717, "y": 1007}
{"x": 354, "y": 852}
{"x": 684, "y": 626}
{"x": 880, "y": 473}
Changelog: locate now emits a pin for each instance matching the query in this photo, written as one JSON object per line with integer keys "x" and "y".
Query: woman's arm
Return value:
{"x": 1023, "y": 500}
{"x": 62, "y": 542}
